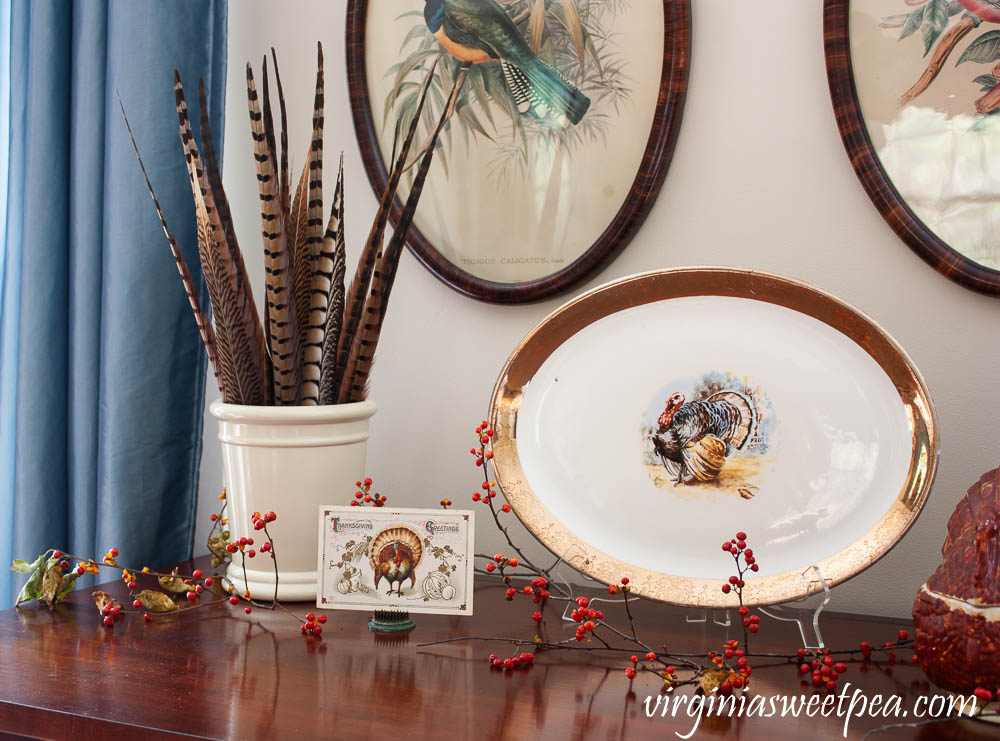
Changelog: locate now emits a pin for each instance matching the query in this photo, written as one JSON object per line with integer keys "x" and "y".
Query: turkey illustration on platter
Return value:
{"x": 394, "y": 555}
{"x": 712, "y": 433}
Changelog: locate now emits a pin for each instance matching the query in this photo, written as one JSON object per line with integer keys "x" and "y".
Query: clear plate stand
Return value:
{"x": 800, "y": 612}
{"x": 804, "y": 612}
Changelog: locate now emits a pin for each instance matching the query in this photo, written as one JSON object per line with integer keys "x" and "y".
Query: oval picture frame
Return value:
{"x": 635, "y": 206}
{"x": 870, "y": 171}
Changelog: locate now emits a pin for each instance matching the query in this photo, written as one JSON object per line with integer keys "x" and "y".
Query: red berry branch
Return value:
{"x": 52, "y": 578}
{"x": 364, "y": 497}
{"x": 726, "y": 671}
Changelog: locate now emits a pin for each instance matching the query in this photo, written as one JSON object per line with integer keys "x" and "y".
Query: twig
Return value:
{"x": 941, "y": 53}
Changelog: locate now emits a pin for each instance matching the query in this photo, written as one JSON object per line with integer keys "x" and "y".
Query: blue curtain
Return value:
{"x": 101, "y": 367}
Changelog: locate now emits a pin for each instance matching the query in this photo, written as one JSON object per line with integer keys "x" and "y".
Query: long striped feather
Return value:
{"x": 355, "y": 386}
{"x": 232, "y": 258}
{"x": 281, "y": 330}
{"x": 327, "y": 316}
{"x": 200, "y": 317}
{"x": 309, "y": 213}
{"x": 229, "y": 305}
{"x": 283, "y": 182}
{"x": 366, "y": 264}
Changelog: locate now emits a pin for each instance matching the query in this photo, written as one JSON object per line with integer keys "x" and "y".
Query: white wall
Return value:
{"x": 759, "y": 179}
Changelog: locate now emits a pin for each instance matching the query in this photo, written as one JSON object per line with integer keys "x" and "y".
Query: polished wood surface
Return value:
{"x": 660, "y": 143}
{"x": 217, "y": 673}
{"x": 878, "y": 185}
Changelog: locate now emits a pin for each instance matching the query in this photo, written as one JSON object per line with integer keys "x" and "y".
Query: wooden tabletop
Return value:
{"x": 216, "y": 672}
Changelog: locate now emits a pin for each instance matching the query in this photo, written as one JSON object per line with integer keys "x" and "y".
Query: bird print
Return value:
{"x": 479, "y": 31}
{"x": 693, "y": 439}
{"x": 394, "y": 555}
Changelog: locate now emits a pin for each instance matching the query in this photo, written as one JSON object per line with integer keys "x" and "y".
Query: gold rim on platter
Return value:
{"x": 646, "y": 288}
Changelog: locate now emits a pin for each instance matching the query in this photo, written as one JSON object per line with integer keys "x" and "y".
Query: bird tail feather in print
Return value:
{"x": 539, "y": 89}
{"x": 740, "y": 416}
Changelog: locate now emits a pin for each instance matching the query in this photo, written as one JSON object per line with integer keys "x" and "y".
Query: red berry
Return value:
{"x": 321, "y": 619}
{"x": 113, "y": 552}
{"x": 734, "y": 580}
{"x": 831, "y": 685}
{"x": 490, "y": 566}
{"x": 114, "y": 611}
{"x": 748, "y": 553}
{"x": 259, "y": 525}
{"x": 108, "y": 621}
{"x": 903, "y": 635}
{"x": 251, "y": 553}
{"x": 79, "y": 570}
{"x": 56, "y": 554}
{"x": 630, "y": 673}
{"x": 234, "y": 600}
{"x": 368, "y": 482}
{"x": 270, "y": 517}
{"x": 753, "y": 627}
{"x": 624, "y": 580}
{"x": 209, "y": 582}
{"x": 147, "y": 617}
{"x": 536, "y": 616}
{"x": 512, "y": 562}
{"x": 368, "y": 497}
{"x": 982, "y": 694}
{"x": 741, "y": 536}
{"x": 247, "y": 611}
{"x": 192, "y": 596}
{"x": 131, "y": 585}
{"x": 744, "y": 611}
{"x": 476, "y": 497}
{"x": 498, "y": 557}
{"x": 754, "y": 567}
{"x": 265, "y": 547}
{"x": 137, "y": 604}
{"x": 726, "y": 589}
{"x": 199, "y": 589}
{"x": 841, "y": 667}
{"x": 511, "y": 592}
{"x": 633, "y": 658}
{"x": 505, "y": 507}
{"x": 310, "y": 616}
{"x": 196, "y": 574}
{"x": 727, "y": 546}
{"x": 803, "y": 668}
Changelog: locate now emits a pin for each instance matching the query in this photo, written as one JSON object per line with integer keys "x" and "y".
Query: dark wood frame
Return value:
{"x": 854, "y": 132}
{"x": 634, "y": 209}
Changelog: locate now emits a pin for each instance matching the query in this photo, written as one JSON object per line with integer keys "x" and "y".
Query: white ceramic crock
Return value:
{"x": 289, "y": 460}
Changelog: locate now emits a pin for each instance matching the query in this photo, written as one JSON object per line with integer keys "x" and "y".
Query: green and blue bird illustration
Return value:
{"x": 477, "y": 31}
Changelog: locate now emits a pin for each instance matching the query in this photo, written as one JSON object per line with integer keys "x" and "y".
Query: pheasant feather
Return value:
{"x": 355, "y": 387}
{"x": 355, "y": 306}
{"x": 327, "y": 315}
{"x": 283, "y": 339}
{"x": 232, "y": 310}
{"x": 307, "y": 210}
{"x": 200, "y": 317}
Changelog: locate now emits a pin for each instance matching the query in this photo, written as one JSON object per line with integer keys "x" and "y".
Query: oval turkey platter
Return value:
{"x": 645, "y": 422}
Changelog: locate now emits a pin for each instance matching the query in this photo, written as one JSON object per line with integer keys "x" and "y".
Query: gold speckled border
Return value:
{"x": 662, "y": 285}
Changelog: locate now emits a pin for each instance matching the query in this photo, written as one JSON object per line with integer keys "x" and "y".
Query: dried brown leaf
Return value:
{"x": 173, "y": 583}
{"x": 103, "y": 599}
{"x": 712, "y": 679}
{"x": 156, "y": 601}
{"x": 52, "y": 583}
